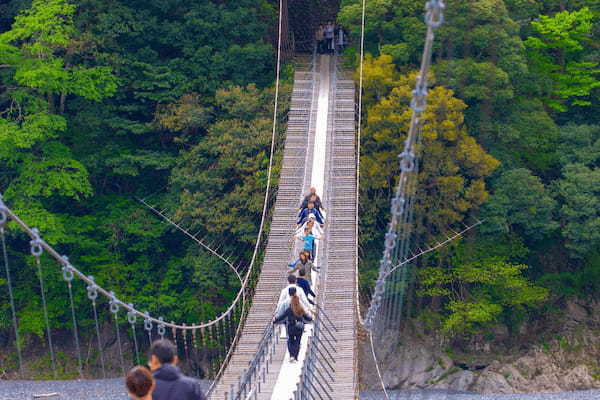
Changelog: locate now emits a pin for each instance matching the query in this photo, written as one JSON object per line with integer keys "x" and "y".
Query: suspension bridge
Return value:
{"x": 241, "y": 351}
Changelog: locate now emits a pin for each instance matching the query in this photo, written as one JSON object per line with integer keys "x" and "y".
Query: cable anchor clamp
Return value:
{"x": 67, "y": 270}
{"x": 131, "y": 316}
{"x": 113, "y": 304}
{"x": 92, "y": 289}
{"x": 36, "y": 243}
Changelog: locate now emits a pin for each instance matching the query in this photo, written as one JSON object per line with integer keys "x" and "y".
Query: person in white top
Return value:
{"x": 315, "y": 228}
{"x": 284, "y": 297}
{"x": 330, "y": 36}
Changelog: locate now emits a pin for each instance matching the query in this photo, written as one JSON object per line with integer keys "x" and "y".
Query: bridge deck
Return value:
{"x": 294, "y": 173}
{"x": 337, "y": 288}
{"x": 339, "y": 301}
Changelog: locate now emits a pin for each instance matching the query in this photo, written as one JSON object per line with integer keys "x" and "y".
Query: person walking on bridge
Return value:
{"x": 304, "y": 284}
{"x": 284, "y": 297}
{"x": 314, "y": 197}
{"x": 295, "y": 317}
{"x": 309, "y": 243}
{"x": 140, "y": 383}
{"x": 310, "y": 209}
{"x": 320, "y": 38}
{"x": 329, "y": 37}
{"x": 304, "y": 263}
{"x": 171, "y": 384}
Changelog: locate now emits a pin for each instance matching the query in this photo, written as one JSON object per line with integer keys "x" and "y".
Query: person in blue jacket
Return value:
{"x": 304, "y": 284}
{"x": 310, "y": 209}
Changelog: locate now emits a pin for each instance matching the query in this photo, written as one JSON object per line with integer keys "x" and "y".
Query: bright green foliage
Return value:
{"x": 394, "y": 27}
{"x": 520, "y": 203}
{"x": 480, "y": 293}
{"x": 558, "y": 54}
{"x": 451, "y": 179}
{"x": 34, "y": 47}
{"x": 30, "y": 140}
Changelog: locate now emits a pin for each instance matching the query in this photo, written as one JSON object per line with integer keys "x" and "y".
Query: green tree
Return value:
{"x": 393, "y": 27}
{"x": 220, "y": 181}
{"x": 579, "y": 194}
{"x": 478, "y": 290}
{"x": 34, "y": 54}
{"x": 557, "y": 53}
{"x": 451, "y": 182}
{"x": 520, "y": 202}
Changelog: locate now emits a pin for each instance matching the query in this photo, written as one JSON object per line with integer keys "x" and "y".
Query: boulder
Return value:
{"x": 490, "y": 382}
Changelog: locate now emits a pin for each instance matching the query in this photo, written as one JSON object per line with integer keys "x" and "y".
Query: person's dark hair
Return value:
{"x": 303, "y": 257}
{"x": 164, "y": 350}
{"x": 139, "y": 381}
{"x": 292, "y": 291}
{"x": 291, "y": 278}
{"x": 302, "y": 272}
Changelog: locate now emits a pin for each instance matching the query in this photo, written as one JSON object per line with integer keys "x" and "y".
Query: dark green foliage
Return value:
{"x": 103, "y": 101}
{"x": 527, "y": 71}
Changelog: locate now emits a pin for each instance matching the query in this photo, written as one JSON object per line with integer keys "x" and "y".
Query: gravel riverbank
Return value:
{"x": 113, "y": 389}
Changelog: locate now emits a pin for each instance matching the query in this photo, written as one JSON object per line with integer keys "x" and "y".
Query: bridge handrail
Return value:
{"x": 68, "y": 268}
{"x": 263, "y": 357}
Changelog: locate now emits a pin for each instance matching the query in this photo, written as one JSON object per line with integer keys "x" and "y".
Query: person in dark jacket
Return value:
{"x": 304, "y": 284}
{"x": 314, "y": 197}
{"x": 294, "y": 317}
{"x": 303, "y": 216}
{"x": 171, "y": 384}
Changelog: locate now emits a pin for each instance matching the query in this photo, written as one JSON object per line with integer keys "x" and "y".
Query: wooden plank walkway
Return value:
{"x": 339, "y": 301}
{"x": 292, "y": 186}
{"x": 336, "y": 290}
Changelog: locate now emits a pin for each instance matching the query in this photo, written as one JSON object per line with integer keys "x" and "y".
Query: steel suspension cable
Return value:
{"x": 358, "y": 151}
{"x": 68, "y": 277}
{"x": 10, "y": 291}
{"x": 402, "y": 203}
{"x": 37, "y": 251}
{"x": 268, "y": 189}
{"x": 434, "y": 18}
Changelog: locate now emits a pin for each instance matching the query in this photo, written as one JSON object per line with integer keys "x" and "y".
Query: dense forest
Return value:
{"x": 106, "y": 102}
{"x": 103, "y": 102}
{"x": 510, "y": 137}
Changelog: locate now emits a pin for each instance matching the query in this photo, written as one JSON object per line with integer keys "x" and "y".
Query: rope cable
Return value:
{"x": 45, "y": 308}
{"x": 100, "y": 349}
{"x": 75, "y": 330}
{"x": 387, "y": 396}
{"x": 267, "y": 191}
{"x": 10, "y": 293}
{"x": 358, "y": 152}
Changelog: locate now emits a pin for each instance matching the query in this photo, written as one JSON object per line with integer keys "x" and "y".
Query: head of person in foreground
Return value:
{"x": 140, "y": 383}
